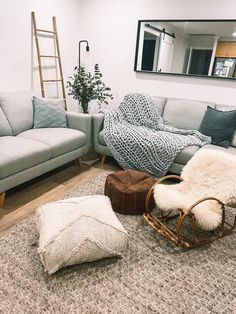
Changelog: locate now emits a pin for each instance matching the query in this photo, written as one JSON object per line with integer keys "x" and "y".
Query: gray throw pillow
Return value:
{"x": 49, "y": 113}
{"x": 219, "y": 125}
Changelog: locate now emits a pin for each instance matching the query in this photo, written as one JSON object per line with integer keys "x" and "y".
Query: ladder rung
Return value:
{"x": 52, "y": 80}
{"x": 45, "y": 56}
{"x": 45, "y": 31}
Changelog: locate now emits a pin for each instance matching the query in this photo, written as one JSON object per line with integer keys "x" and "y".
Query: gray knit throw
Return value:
{"x": 138, "y": 139}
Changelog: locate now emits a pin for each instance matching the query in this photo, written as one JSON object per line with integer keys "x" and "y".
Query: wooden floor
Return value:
{"x": 22, "y": 201}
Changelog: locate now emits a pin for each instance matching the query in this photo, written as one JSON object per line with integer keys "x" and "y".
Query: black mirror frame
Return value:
{"x": 177, "y": 74}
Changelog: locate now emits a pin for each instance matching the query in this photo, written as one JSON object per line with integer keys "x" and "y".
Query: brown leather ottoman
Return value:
{"x": 127, "y": 190}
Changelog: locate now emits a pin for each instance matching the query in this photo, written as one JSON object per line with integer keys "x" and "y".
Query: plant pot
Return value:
{"x": 84, "y": 106}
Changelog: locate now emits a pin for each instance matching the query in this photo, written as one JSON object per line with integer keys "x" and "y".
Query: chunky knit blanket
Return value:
{"x": 138, "y": 139}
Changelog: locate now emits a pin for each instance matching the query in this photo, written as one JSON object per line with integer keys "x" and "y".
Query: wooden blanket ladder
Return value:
{"x": 57, "y": 56}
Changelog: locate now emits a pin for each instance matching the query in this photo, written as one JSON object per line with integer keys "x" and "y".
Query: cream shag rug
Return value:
{"x": 151, "y": 277}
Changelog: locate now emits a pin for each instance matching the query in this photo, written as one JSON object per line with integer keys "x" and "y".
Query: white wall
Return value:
{"x": 202, "y": 41}
{"x": 110, "y": 27}
{"x": 16, "y": 39}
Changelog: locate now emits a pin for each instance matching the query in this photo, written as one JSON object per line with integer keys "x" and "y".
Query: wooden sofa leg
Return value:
{"x": 103, "y": 159}
{"x": 78, "y": 162}
{"x": 2, "y": 199}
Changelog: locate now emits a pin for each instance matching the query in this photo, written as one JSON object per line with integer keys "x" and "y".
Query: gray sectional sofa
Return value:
{"x": 180, "y": 113}
{"x": 25, "y": 152}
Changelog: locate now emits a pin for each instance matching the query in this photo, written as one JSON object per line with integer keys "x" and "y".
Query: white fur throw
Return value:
{"x": 79, "y": 229}
{"x": 208, "y": 173}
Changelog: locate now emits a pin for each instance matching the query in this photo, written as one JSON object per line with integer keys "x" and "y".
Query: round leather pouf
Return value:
{"x": 127, "y": 190}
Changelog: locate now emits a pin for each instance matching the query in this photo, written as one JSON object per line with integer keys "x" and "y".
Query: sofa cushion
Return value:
{"x": 49, "y": 113}
{"x": 159, "y": 103}
{"x": 219, "y": 125}
{"x": 101, "y": 139}
{"x": 18, "y": 109}
{"x": 5, "y": 128}
{"x": 225, "y": 107}
{"x": 186, "y": 154}
{"x": 18, "y": 154}
{"x": 184, "y": 114}
{"x": 231, "y": 150}
{"x": 60, "y": 140}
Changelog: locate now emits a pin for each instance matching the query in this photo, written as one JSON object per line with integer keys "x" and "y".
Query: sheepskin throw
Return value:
{"x": 209, "y": 173}
{"x": 138, "y": 139}
{"x": 79, "y": 229}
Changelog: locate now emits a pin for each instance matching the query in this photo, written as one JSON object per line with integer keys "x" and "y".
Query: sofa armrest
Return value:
{"x": 81, "y": 122}
{"x": 97, "y": 126}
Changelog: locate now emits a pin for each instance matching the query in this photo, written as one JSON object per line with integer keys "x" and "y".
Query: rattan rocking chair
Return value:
{"x": 192, "y": 203}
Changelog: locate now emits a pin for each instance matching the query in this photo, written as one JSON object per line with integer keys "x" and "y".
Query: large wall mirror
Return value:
{"x": 190, "y": 47}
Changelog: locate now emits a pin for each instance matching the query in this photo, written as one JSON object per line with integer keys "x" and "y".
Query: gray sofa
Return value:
{"x": 26, "y": 153}
{"x": 180, "y": 113}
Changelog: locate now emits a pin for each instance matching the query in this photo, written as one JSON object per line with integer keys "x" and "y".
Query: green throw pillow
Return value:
{"x": 219, "y": 125}
{"x": 49, "y": 113}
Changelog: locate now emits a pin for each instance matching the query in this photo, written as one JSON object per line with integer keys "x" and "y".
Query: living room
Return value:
{"x": 152, "y": 274}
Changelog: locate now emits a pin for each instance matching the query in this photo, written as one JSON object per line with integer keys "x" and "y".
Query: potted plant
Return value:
{"x": 84, "y": 87}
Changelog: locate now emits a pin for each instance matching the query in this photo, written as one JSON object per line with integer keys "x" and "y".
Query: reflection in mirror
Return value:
{"x": 202, "y": 48}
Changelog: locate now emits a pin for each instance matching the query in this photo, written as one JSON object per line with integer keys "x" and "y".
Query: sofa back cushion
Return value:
{"x": 18, "y": 109}
{"x": 5, "y": 129}
{"x": 228, "y": 108}
{"x": 184, "y": 113}
{"x": 159, "y": 103}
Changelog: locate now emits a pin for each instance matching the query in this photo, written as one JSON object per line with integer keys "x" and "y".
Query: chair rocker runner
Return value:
{"x": 206, "y": 187}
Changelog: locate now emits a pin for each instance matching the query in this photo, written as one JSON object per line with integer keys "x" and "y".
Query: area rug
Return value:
{"x": 151, "y": 277}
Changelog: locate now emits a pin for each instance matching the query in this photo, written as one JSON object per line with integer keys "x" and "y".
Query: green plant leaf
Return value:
{"x": 84, "y": 87}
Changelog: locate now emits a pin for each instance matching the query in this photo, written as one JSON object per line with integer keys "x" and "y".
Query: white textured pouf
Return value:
{"x": 79, "y": 229}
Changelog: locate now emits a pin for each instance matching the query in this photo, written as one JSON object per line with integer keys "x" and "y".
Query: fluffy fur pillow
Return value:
{"x": 77, "y": 230}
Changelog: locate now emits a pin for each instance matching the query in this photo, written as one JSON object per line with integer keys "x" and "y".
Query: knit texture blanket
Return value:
{"x": 138, "y": 139}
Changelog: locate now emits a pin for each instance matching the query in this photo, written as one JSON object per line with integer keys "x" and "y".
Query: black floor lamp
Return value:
{"x": 87, "y": 47}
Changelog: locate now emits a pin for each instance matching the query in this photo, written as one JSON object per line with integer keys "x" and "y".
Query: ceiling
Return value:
{"x": 221, "y": 28}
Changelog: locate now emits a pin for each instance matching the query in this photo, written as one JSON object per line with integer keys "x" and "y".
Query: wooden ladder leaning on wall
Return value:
{"x": 57, "y": 56}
